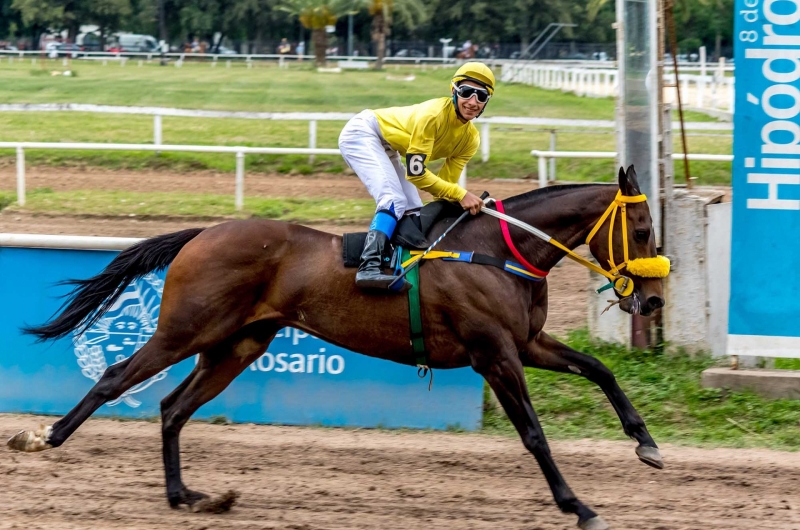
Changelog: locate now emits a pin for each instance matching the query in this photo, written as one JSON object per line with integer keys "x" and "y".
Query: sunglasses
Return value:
{"x": 467, "y": 91}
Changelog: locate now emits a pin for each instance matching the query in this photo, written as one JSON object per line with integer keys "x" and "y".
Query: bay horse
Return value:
{"x": 230, "y": 288}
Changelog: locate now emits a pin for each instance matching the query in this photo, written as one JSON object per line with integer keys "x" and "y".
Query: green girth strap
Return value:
{"x": 415, "y": 314}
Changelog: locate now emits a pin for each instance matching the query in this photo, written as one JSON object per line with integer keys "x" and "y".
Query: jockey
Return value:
{"x": 373, "y": 141}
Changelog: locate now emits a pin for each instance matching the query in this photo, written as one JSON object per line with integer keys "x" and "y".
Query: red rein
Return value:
{"x": 514, "y": 251}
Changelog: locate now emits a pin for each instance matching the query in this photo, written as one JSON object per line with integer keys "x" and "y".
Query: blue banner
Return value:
{"x": 298, "y": 380}
{"x": 765, "y": 250}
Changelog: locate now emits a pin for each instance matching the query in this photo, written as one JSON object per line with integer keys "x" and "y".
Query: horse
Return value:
{"x": 230, "y": 288}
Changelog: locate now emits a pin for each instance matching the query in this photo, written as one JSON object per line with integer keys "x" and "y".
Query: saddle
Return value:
{"x": 411, "y": 233}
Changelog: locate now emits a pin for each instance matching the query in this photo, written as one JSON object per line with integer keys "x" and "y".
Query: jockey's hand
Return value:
{"x": 471, "y": 202}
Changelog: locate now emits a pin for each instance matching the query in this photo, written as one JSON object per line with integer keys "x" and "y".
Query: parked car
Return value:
{"x": 223, "y": 50}
{"x": 138, "y": 43}
{"x": 88, "y": 42}
{"x": 575, "y": 57}
{"x": 409, "y": 53}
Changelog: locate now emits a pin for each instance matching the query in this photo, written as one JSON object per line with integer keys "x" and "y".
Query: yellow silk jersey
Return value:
{"x": 430, "y": 131}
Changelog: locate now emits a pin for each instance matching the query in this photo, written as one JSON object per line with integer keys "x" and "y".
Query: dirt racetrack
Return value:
{"x": 109, "y": 475}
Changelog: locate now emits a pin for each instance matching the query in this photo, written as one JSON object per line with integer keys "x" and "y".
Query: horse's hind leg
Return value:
{"x": 547, "y": 353}
{"x": 506, "y": 377}
{"x": 214, "y": 372}
{"x": 154, "y": 356}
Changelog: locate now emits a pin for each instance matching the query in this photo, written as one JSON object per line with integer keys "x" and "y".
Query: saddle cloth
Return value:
{"x": 411, "y": 233}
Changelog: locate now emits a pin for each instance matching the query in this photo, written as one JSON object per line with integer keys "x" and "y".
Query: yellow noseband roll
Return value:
{"x": 657, "y": 267}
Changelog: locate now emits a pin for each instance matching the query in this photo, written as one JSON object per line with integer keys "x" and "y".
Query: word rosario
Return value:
{"x": 299, "y": 363}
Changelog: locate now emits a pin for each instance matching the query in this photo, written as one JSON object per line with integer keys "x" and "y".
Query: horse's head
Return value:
{"x": 639, "y": 262}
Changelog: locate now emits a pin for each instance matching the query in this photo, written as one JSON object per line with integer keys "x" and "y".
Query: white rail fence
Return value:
{"x": 552, "y": 125}
{"x": 714, "y": 92}
{"x": 238, "y": 152}
{"x": 544, "y": 156}
{"x": 241, "y": 151}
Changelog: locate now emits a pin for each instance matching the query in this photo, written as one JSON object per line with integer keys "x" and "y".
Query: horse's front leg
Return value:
{"x": 505, "y": 375}
{"x": 545, "y": 352}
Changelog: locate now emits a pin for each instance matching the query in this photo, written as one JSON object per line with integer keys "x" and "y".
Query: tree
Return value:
{"x": 49, "y": 14}
{"x": 383, "y": 12}
{"x": 316, "y": 15}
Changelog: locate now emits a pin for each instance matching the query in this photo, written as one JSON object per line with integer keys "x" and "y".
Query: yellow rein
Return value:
{"x": 622, "y": 284}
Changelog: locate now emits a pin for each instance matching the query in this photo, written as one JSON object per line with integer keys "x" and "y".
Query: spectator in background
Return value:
{"x": 284, "y": 47}
{"x": 195, "y": 47}
{"x": 301, "y": 50}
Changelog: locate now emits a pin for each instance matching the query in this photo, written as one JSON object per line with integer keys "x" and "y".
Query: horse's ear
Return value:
{"x": 628, "y": 182}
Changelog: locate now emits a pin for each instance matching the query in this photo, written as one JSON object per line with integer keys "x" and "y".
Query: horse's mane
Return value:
{"x": 534, "y": 196}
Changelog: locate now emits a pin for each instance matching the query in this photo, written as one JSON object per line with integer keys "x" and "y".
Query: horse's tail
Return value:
{"x": 91, "y": 298}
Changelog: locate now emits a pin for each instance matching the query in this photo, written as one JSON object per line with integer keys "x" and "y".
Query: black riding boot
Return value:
{"x": 370, "y": 275}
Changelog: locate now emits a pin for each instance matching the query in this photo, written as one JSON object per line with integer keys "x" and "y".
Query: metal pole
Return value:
{"x": 239, "y": 193}
{"x": 312, "y": 138}
{"x": 350, "y": 35}
{"x": 552, "y": 175}
{"x": 701, "y": 87}
{"x": 20, "y": 176}
{"x": 485, "y": 142}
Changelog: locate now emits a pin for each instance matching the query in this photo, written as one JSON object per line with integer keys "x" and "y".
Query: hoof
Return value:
{"x": 221, "y": 504}
{"x": 650, "y": 456}
{"x": 595, "y": 523}
{"x": 187, "y": 497}
{"x": 31, "y": 441}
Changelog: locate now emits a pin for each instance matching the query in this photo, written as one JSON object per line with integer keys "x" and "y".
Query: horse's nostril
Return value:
{"x": 655, "y": 302}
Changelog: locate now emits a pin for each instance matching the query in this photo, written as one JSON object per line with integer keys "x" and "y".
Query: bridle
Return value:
{"x": 656, "y": 267}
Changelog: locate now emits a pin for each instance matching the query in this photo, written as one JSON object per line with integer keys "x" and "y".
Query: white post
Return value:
{"x": 239, "y": 197}
{"x": 157, "y": 130}
{"x": 701, "y": 86}
{"x": 485, "y": 142}
{"x": 462, "y": 179}
{"x": 542, "y": 172}
{"x": 731, "y": 93}
{"x": 20, "y": 176}
{"x": 312, "y": 138}
{"x": 280, "y": 62}
{"x": 552, "y": 175}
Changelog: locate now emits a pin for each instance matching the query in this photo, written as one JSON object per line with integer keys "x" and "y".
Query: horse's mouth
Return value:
{"x": 632, "y": 305}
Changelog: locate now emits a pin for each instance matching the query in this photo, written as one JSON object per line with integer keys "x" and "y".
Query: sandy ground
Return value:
{"x": 333, "y": 186}
{"x": 109, "y": 475}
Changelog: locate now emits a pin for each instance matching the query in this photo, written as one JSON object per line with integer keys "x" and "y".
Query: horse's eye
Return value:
{"x": 641, "y": 235}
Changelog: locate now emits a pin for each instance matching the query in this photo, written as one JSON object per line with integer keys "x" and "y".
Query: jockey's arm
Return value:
{"x": 445, "y": 185}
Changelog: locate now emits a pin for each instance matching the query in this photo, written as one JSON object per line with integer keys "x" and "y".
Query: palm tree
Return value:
{"x": 411, "y": 12}
{"x": 316, "y": 15}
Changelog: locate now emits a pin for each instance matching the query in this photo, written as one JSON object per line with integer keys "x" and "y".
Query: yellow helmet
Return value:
{"x": 478, "y": 72}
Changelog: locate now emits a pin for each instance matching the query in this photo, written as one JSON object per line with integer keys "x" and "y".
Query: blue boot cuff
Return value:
{"x": 385, "y": 222}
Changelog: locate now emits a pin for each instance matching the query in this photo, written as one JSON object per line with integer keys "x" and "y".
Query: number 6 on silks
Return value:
{"x": 415, "y": 164}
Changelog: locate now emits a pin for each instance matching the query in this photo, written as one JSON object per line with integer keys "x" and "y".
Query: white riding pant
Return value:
{"x": 377, "y": 164}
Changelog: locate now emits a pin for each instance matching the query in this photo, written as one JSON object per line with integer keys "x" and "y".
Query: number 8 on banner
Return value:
{"x": 415, "y": 165}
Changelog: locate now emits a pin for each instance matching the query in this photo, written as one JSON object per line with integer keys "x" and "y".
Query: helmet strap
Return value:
{"x": 455, "y": 106}
{"x": 458, "y": 112}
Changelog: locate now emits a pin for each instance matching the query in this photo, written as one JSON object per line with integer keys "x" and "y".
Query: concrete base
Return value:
{"x": 773, "y": 384}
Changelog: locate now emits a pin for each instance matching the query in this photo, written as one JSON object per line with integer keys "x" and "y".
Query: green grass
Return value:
{"x": 116, "y": 203}
{"x": 266, "y": 88}
{"x": 666, "y": 391}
